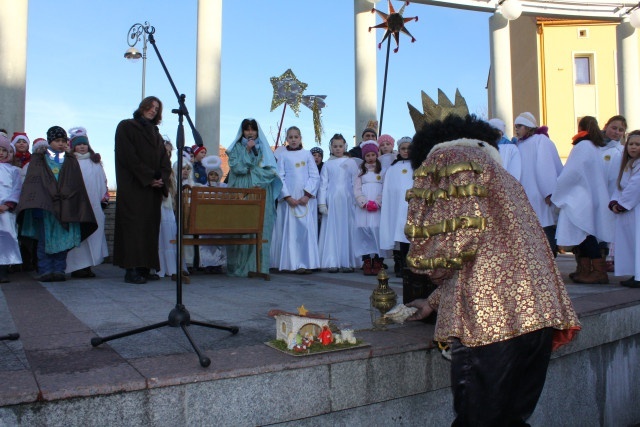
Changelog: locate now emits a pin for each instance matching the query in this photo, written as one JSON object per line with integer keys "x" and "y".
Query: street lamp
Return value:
{"x": 136, "y": 32}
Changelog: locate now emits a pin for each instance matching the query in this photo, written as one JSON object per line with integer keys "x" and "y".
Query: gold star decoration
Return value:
{"x": 315, "y": 103}
{"x": 394, "y": 22}
{"x": 287, "y": 89}
{"x": 302, "y": 311}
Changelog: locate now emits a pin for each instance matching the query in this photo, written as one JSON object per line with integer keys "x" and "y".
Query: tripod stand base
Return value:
{"x": 11, "y": 337}
{"x": 179, "y": 316}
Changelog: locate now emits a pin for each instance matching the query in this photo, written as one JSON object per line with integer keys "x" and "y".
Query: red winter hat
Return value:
{"x": 17, "y": 136}
{"x": 195, "y": 149}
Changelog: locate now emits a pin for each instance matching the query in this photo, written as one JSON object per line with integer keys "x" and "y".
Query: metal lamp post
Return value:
{"x": 136, "y": 32}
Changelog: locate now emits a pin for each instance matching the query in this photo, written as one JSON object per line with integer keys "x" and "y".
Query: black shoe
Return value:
{"x": 4, "y": 274}
{"x": 47, "y": 277}
{"x": 131, "y": 276}
{"x": 146, "y": 274}
{"x": 628, "y": 282}
{"x": 634, "y": 285}
{"x": 58, "y": 277}
{"x": 84, "y": 273}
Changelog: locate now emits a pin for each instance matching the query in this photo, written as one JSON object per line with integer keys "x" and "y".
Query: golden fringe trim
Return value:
{"x": 430, "y": 196}
{"x": 445, "y": 226}
{"x": 433, "y": 263}
{"x": 439, "y": 173}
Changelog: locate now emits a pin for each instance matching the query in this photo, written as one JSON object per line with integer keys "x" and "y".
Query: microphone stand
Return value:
{"x": 179, "y": 316}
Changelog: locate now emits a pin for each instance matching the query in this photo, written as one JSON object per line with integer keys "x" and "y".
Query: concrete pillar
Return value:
{"x": 501, "y": 96}
{"x": 628, "y": 73}
{"x": 13, "y": 64}
{"x": 365, "y": 61}
{"x": 209, "y": 46}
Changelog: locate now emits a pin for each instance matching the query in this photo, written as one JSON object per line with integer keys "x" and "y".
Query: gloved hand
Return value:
{"x": 323, "y": 209}
{"x": 372, "y": 206}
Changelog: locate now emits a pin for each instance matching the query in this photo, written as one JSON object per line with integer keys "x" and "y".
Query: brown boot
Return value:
{"x": 376, "y": 266}
{"x": 582, "y": 271}
{"x": 366, "y": 268}
{"x": 598, "y": 273}
{"x": 576, "y": 254}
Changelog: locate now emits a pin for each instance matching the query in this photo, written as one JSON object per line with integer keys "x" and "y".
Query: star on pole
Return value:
{"x": 287, "y": 89}
{"x": 394, "y": 22}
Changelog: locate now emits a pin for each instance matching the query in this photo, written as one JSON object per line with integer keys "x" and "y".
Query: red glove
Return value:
{"x": 372, "y": 206}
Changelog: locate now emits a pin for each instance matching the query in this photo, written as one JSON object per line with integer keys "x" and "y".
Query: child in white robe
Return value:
{"x": 624, "y": 204}
{"x": 294, "y": 244}
{"x": 386, "y": 153}
{"x": 10, "y": 185}
{"x": 337, "y": 206}
{"x": 393, "y": 214}
{"x": 94, "y": 249}
{"x": 213, "y": 257}
{"x": 367, "y": 189}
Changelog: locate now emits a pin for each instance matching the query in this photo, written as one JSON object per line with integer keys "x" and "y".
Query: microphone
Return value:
{"x": 254, "y": 150}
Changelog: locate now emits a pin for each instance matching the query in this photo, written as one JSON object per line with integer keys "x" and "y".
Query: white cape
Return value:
{"x": 582, "y": 196}
{"x": 294, "y": 242}
{"x": 10, "y": 186}
{"x": 337, "y": 238}
{"x": 93, "y": 249}
{"x": 393, "y": 213}
{"x": 627, "y": 234}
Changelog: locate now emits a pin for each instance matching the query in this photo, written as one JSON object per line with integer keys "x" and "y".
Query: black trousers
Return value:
{"x": 499, "y": 384}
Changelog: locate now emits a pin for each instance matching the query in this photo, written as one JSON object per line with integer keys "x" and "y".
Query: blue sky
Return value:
{"x": 77, "y": 75}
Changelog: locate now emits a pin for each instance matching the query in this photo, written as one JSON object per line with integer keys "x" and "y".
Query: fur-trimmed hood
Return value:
{"x": 475, "y": 143}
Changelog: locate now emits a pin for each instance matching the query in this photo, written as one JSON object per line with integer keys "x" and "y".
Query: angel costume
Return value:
{"x": 247, "y": 170}
{"x": 10, "y": 185}
{"x": 627, "y": 227}
{"x": 612, "y": 156}
{"x": 540, "y": 169}
{"x": 368, "y": 187}
{"x": 393, "y": 213}
{"x": 295, "y": 236}
{"x": 582, "y": 196}
{"x": 337, "y": 238}
{"x": 94, "y": 249}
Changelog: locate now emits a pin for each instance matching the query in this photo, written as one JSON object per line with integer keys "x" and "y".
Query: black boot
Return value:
{"x": 4, "y": 274}
{"x": 132, "y": 276}
{"x": 397, "y": 263}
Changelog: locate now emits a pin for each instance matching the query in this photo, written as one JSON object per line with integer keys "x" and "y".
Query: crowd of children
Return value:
{"x": 346, "y": 213}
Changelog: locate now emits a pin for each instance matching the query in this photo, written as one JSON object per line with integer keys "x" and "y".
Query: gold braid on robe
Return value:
{"x": 468, "y": 214}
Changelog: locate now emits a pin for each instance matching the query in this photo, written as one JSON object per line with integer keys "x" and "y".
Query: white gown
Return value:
{"x": 393, "y": 214}
{"x": 10, "y": 186}
{"x": 511, "y": 159}
{"x": 338, "y": 225}
{"x": 612, "y": 156}
{"x": 368, "y": 187}
{"x": 168, "y": 232}
{"x": 541, "y": 167}
{"x": 93, "y": 249}
{"x": 294, "y": 242}
{"x": 627, "y": 235}
{"x": 582, "y": 196}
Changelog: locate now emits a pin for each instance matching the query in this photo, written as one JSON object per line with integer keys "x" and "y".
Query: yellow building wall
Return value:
{"x": 564, "y": 102}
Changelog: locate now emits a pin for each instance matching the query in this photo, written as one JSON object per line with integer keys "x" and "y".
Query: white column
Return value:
{"x": 209, "y": 46}
{"x": 628, "y": 73}
{"x": 365, "y": 59}
{"x": 13, "y": 63}
{"x": 501, "y": 96}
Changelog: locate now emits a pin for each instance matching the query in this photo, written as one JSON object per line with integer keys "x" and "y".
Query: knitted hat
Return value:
{"x": 370, "y": 130}
{"x": 317, "y": 150}
{"x": 78, "y": 135}
{"x": 4, "y": 143}
{"x": 369, "y": 147}
{"x": 195, "y": 149}
{"x": 385, "y": 138}
{"x": 498, "y": 124}
{"x": 526, "y": 119}
{"x": 39, "y": 143}
{"x": 4, "y": 138}
{"x": 56, "y": 132}
{"x": 17, "y": 136}
{"x": 404, "y": 140}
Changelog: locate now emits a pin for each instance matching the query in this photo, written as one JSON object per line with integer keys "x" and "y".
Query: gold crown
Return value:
{"x": 439, "y": 111}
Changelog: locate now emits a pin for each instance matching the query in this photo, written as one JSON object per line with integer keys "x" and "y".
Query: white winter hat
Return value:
{"x": 526, "y": 119}
{"x": 498, "y": 124}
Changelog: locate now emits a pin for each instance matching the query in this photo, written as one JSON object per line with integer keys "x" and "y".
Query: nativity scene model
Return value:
{"x": 306, "y": 333}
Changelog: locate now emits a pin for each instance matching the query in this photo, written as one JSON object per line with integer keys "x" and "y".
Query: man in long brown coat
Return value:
{"x": 142, "y": 176}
